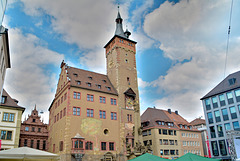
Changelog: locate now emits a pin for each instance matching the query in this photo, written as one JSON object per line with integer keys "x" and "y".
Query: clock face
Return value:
{"x": 129, "y": 102}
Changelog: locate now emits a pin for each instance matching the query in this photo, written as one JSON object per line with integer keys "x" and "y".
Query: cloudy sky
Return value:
{"x": 181, "y": 49}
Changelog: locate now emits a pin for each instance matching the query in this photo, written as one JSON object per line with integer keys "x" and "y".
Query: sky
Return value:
{"x": 181, "y": 47}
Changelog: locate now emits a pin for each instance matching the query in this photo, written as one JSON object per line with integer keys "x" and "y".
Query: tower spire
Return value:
{"x": 119, "y": 29}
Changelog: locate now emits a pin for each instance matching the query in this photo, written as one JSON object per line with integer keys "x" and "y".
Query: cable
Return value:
{"x": 229, "y": 29}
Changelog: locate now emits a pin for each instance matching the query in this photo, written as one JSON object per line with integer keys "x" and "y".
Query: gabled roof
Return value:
{"x": 198, "y": 121}
{"x": 9, "y": 102}
{"x": 130, "y": 92}
{"x": 224, "y": 86}
{"x": 99, "y": 82}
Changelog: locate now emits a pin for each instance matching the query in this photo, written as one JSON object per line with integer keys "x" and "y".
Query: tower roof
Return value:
{"x": 119, "y": 30}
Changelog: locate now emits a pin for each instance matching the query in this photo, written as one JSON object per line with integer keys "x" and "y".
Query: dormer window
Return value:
{"x": 75, "y": 74}
{"x": 78, "y": 82}
{"x": 89, "y": 84}
{"x": 90, "y": 77}
{"x": 99, "y": 86}
{"x": 4, "y": 98}
{"x": 185, "y": 126}
{"x": 232, "y": 81}
{"x": 104, "y": 81}
{"x": 190, "y": 127}
{"x": 144, "y": 124}
{"x": 160, "y": 122}
{"x": 170, "y": 124}
{"x": 109, "y": 88}
{"x": 180, "y": 126}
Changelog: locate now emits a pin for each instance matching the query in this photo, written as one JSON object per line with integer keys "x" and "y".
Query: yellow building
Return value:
{"x": 170, "y": 135}
{"x": 92, "y": 114}
{"x": 10, "y": 123}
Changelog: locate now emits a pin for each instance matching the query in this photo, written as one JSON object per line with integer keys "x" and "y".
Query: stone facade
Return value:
{"x": 34, "y": 132}
{"x": 92, "y": 115}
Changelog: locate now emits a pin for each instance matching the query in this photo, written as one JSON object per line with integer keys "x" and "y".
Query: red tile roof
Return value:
{"x": 90, "y": 80}
{"x": 198, "y": 121}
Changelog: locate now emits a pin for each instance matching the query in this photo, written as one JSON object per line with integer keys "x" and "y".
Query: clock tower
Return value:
{"x": 122, "y": 72}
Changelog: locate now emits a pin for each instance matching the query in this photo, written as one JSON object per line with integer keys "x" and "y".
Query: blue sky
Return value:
{"x": 180, "y": 51}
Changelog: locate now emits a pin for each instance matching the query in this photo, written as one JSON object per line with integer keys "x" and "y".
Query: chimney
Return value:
{"x": 176, "y": 112}
{"x": 169, "y": 111}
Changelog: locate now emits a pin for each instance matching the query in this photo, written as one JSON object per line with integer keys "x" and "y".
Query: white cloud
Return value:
{"x": 30, "y": 80}
{"x": 192, "y": 30}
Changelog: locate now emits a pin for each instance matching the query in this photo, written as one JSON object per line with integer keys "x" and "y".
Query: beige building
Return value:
{"x": 170, "y": 135}
{"x": 92, "y": 114}
{"x": 10, "y": 123}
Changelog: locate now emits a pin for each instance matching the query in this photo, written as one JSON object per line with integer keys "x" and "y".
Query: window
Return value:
{"x": 232, "y": 81}
{"x": 113, "y": 101}
{"x": 214, "y": 148}
{"x": 161, "y": 152}
{"x": 89, "y": 112}
{"x": 207, "y": 103}
{"x": 227, "y": 126}
{"x": 222, "y": 100}
{"x": 61, "y": 146}
{"x": 76, "y": 111}
{"x": 38, "y": 144}
{"x": 171, "y": 142}
{"x": 214, "y": 101}
{"x": 166, "y": 152}
{"x": 90, "y": 97}
{"x": 64, "y": 112}
{"x": 32, "y": 142}
{"x": 111, "y": 146}
{"x": 210, "y": 117}
{"x": 222, "y": 147}
{"x": 220, "y": 130}
{"x": 113, "y": 116}
{"x": 60, "y": 114}
{"x": 102, "y": 114}
{"x": 102, "y": 99}
{"x": 88, "y": 145}
{"x": 8, "y": 117}
{"x": 65, "y": 96}
{"x": 237, "y": 94}
{"x": 129, "y": 117}
{"x": 212, "y": 131}
{"x": 103, "y": 146}
{"x": 39, "y": 129}
{"x": 236, "y": 126}
{"x": 170, "y": 132}
{"x": 144, "y": 133}
{"x": 89, "y": 84}
{"x": 44, "y": 144}
{"x": 164, "y": 131}
{"x": 6, "y": 135}
{"x": 172, "y": 152}
{"x": 34, "y": 120}
{"x": 3, "y": 99}
{"x": 149, "y": 132}
{"x": 159, "y": 131}
{"x": 76, "y": 95}
{"x": 176, "y": 143}
{"x": 165, "y": 142}
{"x": 225, "y": 114}
{"x": 78, "y": 82}
{"x": 230, "y": 97}
{"x": 25, "y": 142}
{"x": 217, "y": 116}
{"x": 26, "y": 128}
{"x": 99, "y": 86}
{"x": 233, "y": 112}
{"x": 90, "y": 77}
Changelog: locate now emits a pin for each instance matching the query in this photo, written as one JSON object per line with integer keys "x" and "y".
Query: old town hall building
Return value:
{"x": 92, "y": 114}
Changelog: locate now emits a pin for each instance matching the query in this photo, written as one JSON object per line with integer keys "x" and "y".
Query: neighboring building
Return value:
{"x": 221, "y": 108}
{"x": 10, "y": 114}
{"x": 92, "y": 114}
{"x": 200, "y": 124}
{"x": 34, "y": 132}
{"x": 170, "y": 135}
{"x": 4, "y": 46}
{"x": 4, "y": 55}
